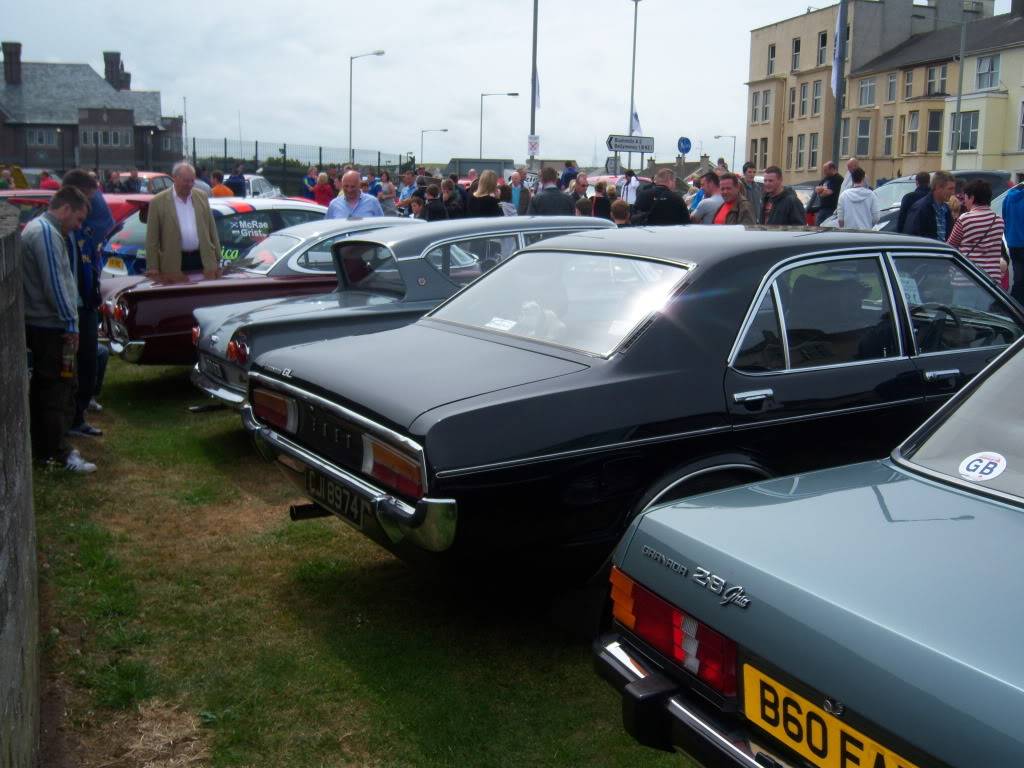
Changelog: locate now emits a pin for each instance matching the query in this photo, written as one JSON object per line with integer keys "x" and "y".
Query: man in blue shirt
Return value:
{"x": 373, "y": 186}
{"x": 353, "y": 203}
{"x": 930, "y": 216}
{"x": 1013, "y": 219}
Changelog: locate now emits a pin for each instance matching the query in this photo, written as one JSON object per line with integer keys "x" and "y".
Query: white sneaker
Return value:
{"x": 94, "y": 406}
{"x": 75, "y": 463}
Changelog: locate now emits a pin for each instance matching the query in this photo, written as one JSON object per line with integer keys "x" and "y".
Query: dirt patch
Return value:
{"x": 158, "y": 735}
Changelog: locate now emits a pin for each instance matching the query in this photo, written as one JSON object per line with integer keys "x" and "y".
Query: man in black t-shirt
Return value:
{"x": 828, "y": 191}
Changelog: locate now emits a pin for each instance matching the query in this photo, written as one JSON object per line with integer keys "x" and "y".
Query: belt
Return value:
{"x": 190, "y": 253}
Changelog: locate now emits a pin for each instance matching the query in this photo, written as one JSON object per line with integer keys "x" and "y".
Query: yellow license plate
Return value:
{"x": 115, "y": 263}
{"x": 808, "y": 729}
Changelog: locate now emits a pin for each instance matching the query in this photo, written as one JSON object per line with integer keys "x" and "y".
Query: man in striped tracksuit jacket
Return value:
{"x": 51, "y": 326}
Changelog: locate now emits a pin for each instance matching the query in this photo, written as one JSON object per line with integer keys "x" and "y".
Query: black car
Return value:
{"x": 543, "y": 407}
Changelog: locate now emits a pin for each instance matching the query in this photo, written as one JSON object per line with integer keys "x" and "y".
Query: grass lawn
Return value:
{"x": 189, "y": 623}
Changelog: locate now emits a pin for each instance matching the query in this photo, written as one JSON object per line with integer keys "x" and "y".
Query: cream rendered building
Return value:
{"x": 790, "y": 105}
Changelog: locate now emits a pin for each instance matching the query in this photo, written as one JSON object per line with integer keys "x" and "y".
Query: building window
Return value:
{"x": 85, "y": 138}
{"x": 890, "y": 93}
{"x": 846, "y": 89}
{"x": 934, "y": 131}
{"x": 755, "y": 106}
{"x": 789, "y": 152}
{"x": 106, "y": 138}
{"x": 1020, "y": 129}
{"x": 796, "y": 54}
{"x": 887, "y": 136}
{"x": 908, "y": 84}
{"x": 801, "y": 142}
{"x": 766, "y": 106}
{"x": 812, "y": 158}
{"x": 844, "y": 137}
{"x": 822, "y": 48}
{"x": 903, "y": 133}
{"x": 792, "y": 103}
{"x": 936, "y": 80}
{"x": 913, "y": 123}
{"x": 753, "y": 152}
{"x": 867, "y": 92}
{"x": 816, "y": 98}
{"x": 803, "y": 99}
{"x": 127, "y": 140}
{"x": 115, "y": 138}
{"x": 42, "y": 137}
{"x": 771, "y": 59}
{"x": 764, "y": 154}
{"x": 968, "y": 131}
{"x": 988, "y": 72}
{"x": 863, "y": 136}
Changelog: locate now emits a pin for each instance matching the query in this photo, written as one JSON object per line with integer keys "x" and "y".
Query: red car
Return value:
{"x": 32, "y": 202}
{"x": 150, "y": 322}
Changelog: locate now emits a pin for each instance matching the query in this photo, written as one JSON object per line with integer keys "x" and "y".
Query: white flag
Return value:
{"x": 635, "y": 125}
{"x": 536, "y": 89}
{"x": 837, "y": 64}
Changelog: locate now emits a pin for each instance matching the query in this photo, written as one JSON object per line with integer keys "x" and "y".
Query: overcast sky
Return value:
{"x": 284, "y": 66}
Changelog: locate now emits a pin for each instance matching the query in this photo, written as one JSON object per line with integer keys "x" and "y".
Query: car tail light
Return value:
{"x": 394, "y": 469}
{"x": 693, "y": 645}
{"x": 275, "y": 409}
{"x": 120, "y": 311}
{"x": 238, "y": 349}
{"x": 196, "y": 332}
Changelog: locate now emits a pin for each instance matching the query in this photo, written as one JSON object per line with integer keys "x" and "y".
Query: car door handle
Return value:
{"x": 753, "y": 396}
{"x": 948, "y": 373}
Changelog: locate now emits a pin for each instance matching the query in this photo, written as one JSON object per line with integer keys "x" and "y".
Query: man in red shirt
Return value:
{"x": 48, "y": 182}
{"x": 735, "y": 208}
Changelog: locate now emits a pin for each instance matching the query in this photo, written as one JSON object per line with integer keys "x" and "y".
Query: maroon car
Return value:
{"x": 150, "y": 322}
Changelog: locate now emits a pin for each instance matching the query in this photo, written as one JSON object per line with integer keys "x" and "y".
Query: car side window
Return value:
{"x": 318, "y": 257}
{"x": 159, "y": 184}
{"x": 762, "y": 346}
{"x": 837, "y": 312}
{"x": 289, "y": 218}
{"x": 240, "y": 231}
{"x": 536, "y": 237}
{"x": 949, "y": 308}
{"x": 464, "y": 261}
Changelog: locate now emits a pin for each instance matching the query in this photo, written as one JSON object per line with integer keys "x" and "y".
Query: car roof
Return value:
{"x": 320, "y": 227}
{"x": 708, "y": 245}
{"x": 27, "y": 192}
{"x": 144, "y": 174}
{"x": 417, "y": 238}
{"x": 227, "y": 206}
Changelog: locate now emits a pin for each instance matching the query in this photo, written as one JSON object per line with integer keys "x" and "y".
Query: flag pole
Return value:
{"x": 839, "y": 80}
{"x": 533, "y": 89}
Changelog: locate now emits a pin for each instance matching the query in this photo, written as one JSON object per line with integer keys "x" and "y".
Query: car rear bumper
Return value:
{"x": 429, "y": 525}
{"x": 659, "y": 713}
{"x": 129, "y": 351}
{"x": 227, "y": 395}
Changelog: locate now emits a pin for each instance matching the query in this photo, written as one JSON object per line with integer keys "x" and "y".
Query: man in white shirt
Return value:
{"x": 706, "y": 209}
{"x": 180, "y": 233}
{"x": 628, "y": 186}
{"x": 852, "y": 164}
{"x": 858, "y": 205}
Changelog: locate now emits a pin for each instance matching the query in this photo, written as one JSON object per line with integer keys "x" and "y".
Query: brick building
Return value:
{"x": 59, "y": 116}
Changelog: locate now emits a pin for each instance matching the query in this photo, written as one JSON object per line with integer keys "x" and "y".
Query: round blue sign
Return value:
{"x": 684, "y": 145}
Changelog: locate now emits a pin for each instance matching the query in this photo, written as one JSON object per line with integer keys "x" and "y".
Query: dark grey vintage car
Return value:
{"x": 540, "y": 409}
{"x": 387, "y": 277}
{"x": 860, "y": 616}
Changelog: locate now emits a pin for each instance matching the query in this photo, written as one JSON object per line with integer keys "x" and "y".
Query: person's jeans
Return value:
{"x": 88, "y": 332}
{"x": 51, "y": 396}
{"x": 102, "y": 356}
{"x": 1017, "y": 263}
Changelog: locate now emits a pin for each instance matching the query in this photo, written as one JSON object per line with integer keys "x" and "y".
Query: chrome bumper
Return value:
{"x": 429, "y": 525}
{"x": 659, "y": 713}
{"x": 213, "y": 389}
{"x": 130, "y": 351}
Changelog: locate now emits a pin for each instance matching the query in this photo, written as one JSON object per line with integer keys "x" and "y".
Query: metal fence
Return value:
{"x": 285, "y": 164}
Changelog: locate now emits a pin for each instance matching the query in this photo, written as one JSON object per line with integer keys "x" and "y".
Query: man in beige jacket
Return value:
{"x": 180, "y": 233}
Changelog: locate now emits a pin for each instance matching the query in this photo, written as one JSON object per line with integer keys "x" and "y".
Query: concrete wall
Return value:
{"x": 19, "y": 598}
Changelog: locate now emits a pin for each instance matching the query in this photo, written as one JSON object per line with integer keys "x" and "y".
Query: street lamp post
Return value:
{"x": 351, "y": 151}
{"x": 632, "y": 78}
{"x": 733, "y": 137}
{"x": 429, "y": 130}
{"x": 482, "y": 116}
{"x": 60, "y": 138}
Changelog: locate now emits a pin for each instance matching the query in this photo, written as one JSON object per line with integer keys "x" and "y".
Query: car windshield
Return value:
{"x": 588, "y": 302}
{"x": 262, "y": 256}
{"x": 982, "y": 440}
{"x": 890, "y": 194}
{"x": 132, "y": 233}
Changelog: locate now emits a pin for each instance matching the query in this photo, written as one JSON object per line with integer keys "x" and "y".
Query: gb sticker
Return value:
{"x": 979, "y": 467}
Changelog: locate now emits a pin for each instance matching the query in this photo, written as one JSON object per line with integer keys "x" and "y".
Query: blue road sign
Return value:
{"x": 684, "y": 145}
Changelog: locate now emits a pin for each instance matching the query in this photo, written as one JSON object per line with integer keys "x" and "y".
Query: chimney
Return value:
{"x": 12, "y": 63}
{"x": 113, "y": 71}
